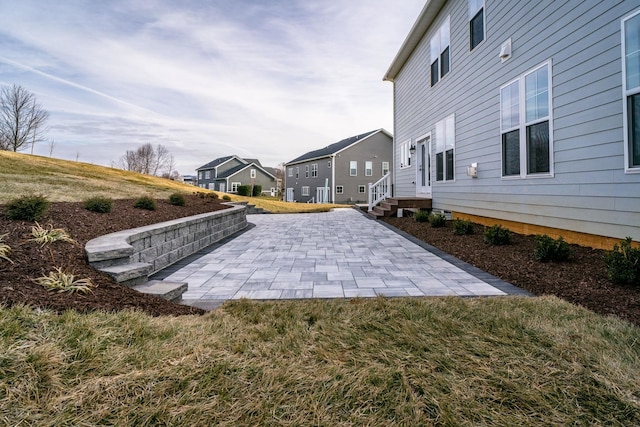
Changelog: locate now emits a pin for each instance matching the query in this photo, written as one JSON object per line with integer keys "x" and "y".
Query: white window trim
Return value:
{"x": 484, "y": 23}
{"x": 362, "y": 189}
{"x": 444, "y": 151}
{"x": 290, "y": 172}
{"x": 252, "y": 173}
{"x": 352, "y": 169}
{"x": 405, "y": 154}
{"x": 314, "y": 170}
{"x": 305, "y": 190}
{"x": 626, "y": 93}
{"x": 368, "y": 171}
{"x": 234, "y": 186}
{"x": 522, "y": 126}
{"x": 437, "y": 37}
{"x": 297, "y": 172}
{"x": 339, "y": 189}
{"x": 306, "y": 171}
{"x": 387, "y": 168}
{"x": 207, "y": 174}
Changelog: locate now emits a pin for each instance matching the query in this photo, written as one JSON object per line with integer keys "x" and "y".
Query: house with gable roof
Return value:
{"x": 226, "y": 174}
{"x": 523, "y": 113}
{"x": 340, "y": 172}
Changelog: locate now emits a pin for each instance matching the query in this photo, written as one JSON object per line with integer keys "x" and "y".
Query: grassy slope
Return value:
{"x": 491, "y": 361}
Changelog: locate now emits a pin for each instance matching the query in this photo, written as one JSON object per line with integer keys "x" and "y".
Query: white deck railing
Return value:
{"x": 379, "y": 190}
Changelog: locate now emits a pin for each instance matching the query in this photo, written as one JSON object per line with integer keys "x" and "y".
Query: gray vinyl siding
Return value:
{"x": 324, "y": 173}
{"x": 589, "y": 191}
{"x": 244, "y": 178}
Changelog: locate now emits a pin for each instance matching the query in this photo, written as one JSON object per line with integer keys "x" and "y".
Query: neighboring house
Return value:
{"x": 189, "y": 179}
{"x": 523, "y": 111}
{"x": 226, "y": 174}
{"x": 340, "y": 172}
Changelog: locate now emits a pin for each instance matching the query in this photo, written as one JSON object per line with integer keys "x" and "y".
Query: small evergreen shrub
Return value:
{"x": 226, "y": 198}
{"x": 462, "y": 226}
{"x": 28, "y": 208}
{"x": 244, "y": 190}
{"x": 623, "y": 263}
{"x": 257, "y": 190}
{"x": 497, "y": 235}
{"x": 213, "y": 196}
{"x": 437, "y": 220}
{"x": 145, "y": 202}
{"x": 177, "y": 199}
{"x": 99, "y": 204}
{"x": 421, "y": 216}
{"x": 549, "y": 249}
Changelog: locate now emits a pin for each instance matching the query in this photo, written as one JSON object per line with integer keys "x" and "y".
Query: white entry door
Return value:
{"x": 289, "y": 195}
{"x": 423, "y": 169}
{"x": 223, "y": 187}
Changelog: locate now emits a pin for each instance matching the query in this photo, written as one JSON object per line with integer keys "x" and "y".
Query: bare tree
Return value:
{"x": 52, "y": 144}
{"x": 147, "y": 160}
{"x": 22, "y": 118}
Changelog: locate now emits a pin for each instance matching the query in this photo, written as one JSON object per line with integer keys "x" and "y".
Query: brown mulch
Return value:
{"x": 30, "y": 260}
{"x": 582, "y": 280}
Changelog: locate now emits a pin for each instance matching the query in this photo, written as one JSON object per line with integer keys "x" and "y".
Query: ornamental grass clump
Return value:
{"x": 145, "y": 202}
{"x": 27, "y": 208}
{"x": 44, "y": 236}
{"x": 99, "y": 204}
{"x": 497, "y": 235}
{"x": 5, "y": 249}
{"x": 549, "y": 249}
{"x": 61, "y": 281}
{"x": 623, "y": 263}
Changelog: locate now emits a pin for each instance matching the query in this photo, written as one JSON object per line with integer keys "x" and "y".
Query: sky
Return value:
{"x": 265, "y": 79}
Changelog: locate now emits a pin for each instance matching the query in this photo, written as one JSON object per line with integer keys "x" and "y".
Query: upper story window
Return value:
{"x": 314, "y": 170}
{"x": 253, "y": 173}
{"x": 631, "y": 87}
{"x": 525, "y": 109}
{"x": 329, "y": 164}
{"x": 207, "y": 174}
{"x": 368, "y": 168}
{"x": 440, "y": 61}
{"x": 476, "y": 22}
{"x": 297, "y": 172}
{"x": 290, "y": 172}
{"x": 199, "y": 175}
{"x": 405, "y": 154}
{"x": 353, "y": 168}
{"x": 306, "y": 171}
{"x": 445, "y": 149}
{"x": 385, "y": 168}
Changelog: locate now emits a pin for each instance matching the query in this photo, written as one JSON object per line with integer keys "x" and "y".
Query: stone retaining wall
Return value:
{"x": 130, "y": 256}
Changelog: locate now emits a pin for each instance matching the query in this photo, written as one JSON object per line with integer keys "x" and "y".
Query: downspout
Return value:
{"x": 333, "y": 178}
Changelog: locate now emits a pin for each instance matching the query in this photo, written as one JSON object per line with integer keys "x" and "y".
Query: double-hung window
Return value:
{"x": 253, "y": 173}
{"x": 445, "y": 149}
{"x": 385, "y": 168}
{"x": 525, "y": 124}
{"x": 476, "y": 22}
{"x": 440, "y": 61}
{"x": 368, "y": 168}
{"x": 207, "y": 174}
{"x": 631, "y": 87}
{"x": 306, "y": 171}
{"x": 290, "y": 172}
{"x": 405, "y": 154}
{"x": 353, "y": 168}
{"x": 297, "y": 172}
{"x": 314, "y": 170}
{"x": 305, "y": 191}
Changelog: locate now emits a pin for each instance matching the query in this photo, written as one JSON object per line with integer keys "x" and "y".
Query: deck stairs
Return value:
{"x": 389, "y": 207}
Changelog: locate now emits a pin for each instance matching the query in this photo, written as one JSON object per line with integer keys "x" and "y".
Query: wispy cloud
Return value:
{"x": 205, "y": 78}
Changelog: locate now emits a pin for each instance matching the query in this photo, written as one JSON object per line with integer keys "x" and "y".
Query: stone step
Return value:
{"x": 171, "y": 291}
{"x": 129, "y": 274}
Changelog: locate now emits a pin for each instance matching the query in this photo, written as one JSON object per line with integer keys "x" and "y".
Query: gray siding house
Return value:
{"x": 523, "y": 112}
{"x": 340, "y": 172}
{"x": 226, "y": 174}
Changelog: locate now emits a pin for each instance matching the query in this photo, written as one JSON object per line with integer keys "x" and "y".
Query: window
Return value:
{"x": 405, "y": 154}
{"x": 631, "y": 87}
{"x": 290, "y": 172}
{"x": 253, "y": 173}
{"x": 368, "y": 168}
{"x": 306, "y": 171}
{"x": 297, "y": 172}
{"x": 445, "y": 147}
{"x": 525, "y": 108}
{"x": 314, "y": 170}
{"x": 207, "y": 174}
{"x": 353, "y": 168}
{"x": 385, "y": 168}
{"x": 200, "y": 175}
{"x": 476, "y": 22}
{"x": 440, "y": 62}
{"x": 329, "y": 164}
{"x": 339, "y": 189}
{"x": 234, "y": 186}
{"x": 361, "y": 189}
{"x": 305, "y": 191}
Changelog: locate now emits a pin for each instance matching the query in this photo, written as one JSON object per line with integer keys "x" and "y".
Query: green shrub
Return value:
{"x": 99, "y": 204}
{"x": 623, "y": 263}
{"x": 244, "y": 190}
{"x": 226, "y": 198}
{"x": 28, "y": 208}
{"x": 497, "y": 235}
{"x": 549, "y": 249}
{"x": 422, "y": 215}
{"x": 461, "y": 226}
{"x": 257, "y": 190}
{"x": 145, "y": 202}
{"x": 437, "y": 220}
{"x": 177, "y": 199}
{"x": 213, "y": 196}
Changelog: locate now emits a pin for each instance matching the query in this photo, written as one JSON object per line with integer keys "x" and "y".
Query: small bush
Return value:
{"x": 28, "y": 208}
{"x": 257, "y": 190}
{"x": 623, "y": 263}
{"x": 437, "y": 220}
{"x": 177, "y": 199}
{"x": 549, "y": 249}
{"x": 64, "y": 282}
{"x": 497, "y": 235}
{"x": 421, "y": 216}
{"x": 145, "y": 202}
{"x": 213, "y": 196}
{"x": 226, "y": 198}
{"x": 462, "y": 227}
{"x": 99, "y": 204}
{"x": 5, "y": 249}
{"x": 244, "y": 190}
{"x": 43, "y": 236}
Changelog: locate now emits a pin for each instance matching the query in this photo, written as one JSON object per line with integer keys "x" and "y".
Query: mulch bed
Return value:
{"x": 30, "y": 260}
{"x": 582, "y": 280}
